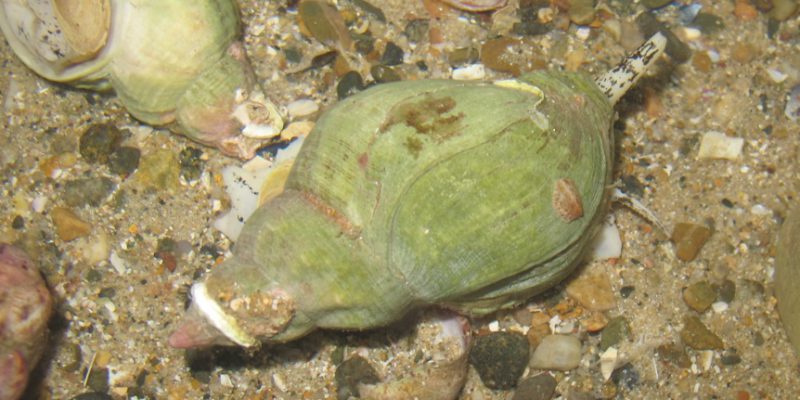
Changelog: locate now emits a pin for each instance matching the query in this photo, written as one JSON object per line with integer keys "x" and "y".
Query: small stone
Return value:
{"x": 124, "y": 161}
{"x": 530, "y": 24}
{"x": 88, "y": 191}
{"x": 625, "y": 376}
{"x": 500, "y": 359}
{"x": 595, "y": 323}
{"x": 726, "y": 291}
{"x": 708, "y": 23}
{"x": 744, "y": 10}
{"x": 18, "y": 222}
{"x": 592, "y": 291}
{"x": 99, "y": 142}
{"x": 159, "y": 170}
{"x": 730, "y": 357}
{"x": 539, "y": 387}
{"x": 323, "y": 21}
{"x": 581, "y": 12}
{"x": 384, "y": 74}
{"x": 702, "y": 62}
{"x": 98, "y": 379}
{"x": 192, "y": 164}
{"x": 674, "y": 355}
{"x": 783, "y": 9}
{"x": 743, "y": 52}
{"x": 616, "y": 331}
{"x": 689, "y": 239}
{"x": 392, "y": 54}
{"x": 68, "y": 225}
{"x": 557, "y": 352}
{"x": 463, "y": 55}
{"x": 349, "y": 84}
{"x": 652, "y": 4}
{"x": 502, "y": 54}
{"x": 697, "y": 336}
{"x": 351, "y": 373}
{"x": 416, "y": 30}
{"x": 699, "y": 296}
{"x": 626, "y": 291}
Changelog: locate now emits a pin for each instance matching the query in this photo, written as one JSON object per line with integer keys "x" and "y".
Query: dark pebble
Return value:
{"x": 529, "y": 24}
{"x": 730, "y": 357}
{"x": 616, "y": 331}
{"x": 697, "y": 336}
{"x": 758, "y": 339}
{"x": 98, "y": 379}
{"x": 87, "y": 191}
{"x": 365, "y": 44}
{"x": 384, "y": 74}
{"x": 708, "y": 23}
{"x": 349, "y": 84}
{"x": 726, "y": 291}
{"x": 350, "y": 373}
{"x": 673, "y": 354}
{"x": 676, "y": 49}
{"x": 18, "y": 222}
{"x": 625, "y": 376}
{"x": 539, "y": 387}
{"x": 500, "y": 359}
{"x": 321, "y": 60}
{"x": 727, "y": 203}
{"x": 651, "y": 4}
{"x": 92, "y": 396}
{"x": 337, "y": 356}
{"x": 107, "y": 293}
{"x": 210, "y": 250}
{"x": 292, "y": 55}
{"x": 191, "y": 163}
{"x": 370, "y": 9}
{"x": 417, "y": 30}
{"x": 626, "y": 291}
{"x": 392, "y": 54}
{"x": 124, "y": 161}
{"x": 98, "y": 142}
{"x": 631, "y": 185}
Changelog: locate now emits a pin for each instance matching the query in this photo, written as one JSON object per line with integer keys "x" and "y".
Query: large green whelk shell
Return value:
{"x": 167, "y": 60}
{"x": 429, "y": 192}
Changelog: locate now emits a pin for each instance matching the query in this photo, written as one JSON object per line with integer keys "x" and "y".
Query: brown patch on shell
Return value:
{"x": 567, "y": 200}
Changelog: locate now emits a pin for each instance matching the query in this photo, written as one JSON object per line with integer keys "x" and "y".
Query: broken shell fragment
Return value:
{"x": 198, "y": 82}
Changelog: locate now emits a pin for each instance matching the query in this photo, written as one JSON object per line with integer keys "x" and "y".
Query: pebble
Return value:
{"x": 539, "y": 387}
{"x": 616, "y": 331}
{"x": 192, "y": 163}
{"x": 699, "y": 296}
{"x": 529, "y": 23}
{"x": 124, "y": 161}
{"x": 18, "y": 222}
{"x": 98, "y": 142}
{"x": 159, "y": 170}
{"x": 500, "y": 359}
{"x": 557, "y": 352}
{"x": 581, "y": 12}
{"x": 302, "y": 108}
{"x": 68, "y": 225}
{"x": 87, "y": 191}
{"x": 689, "y": 238}
{"x": 676, "y": 49}
{"x": 501, "y": 54}
{"x": 417, "y": 29}
{"x": 730, "y": 357}
{"x": 792, "y": 110}
{"x": 392, "y": 54}
{"x": 384, "y": 74}
{"x": 697, "y": 336}
{"x": 592, "y": 291}
{"x": 350, "y": 373}
{"x": 673, "y": 354}
{"x": 349, "y": 84}
{"x": 744, "y": 10}
{"x": 708, "y": 23}
{"x": 625, "y": 376}
{"x": 323, "y": 21}
{"x": 717, "y": 145}
{"x": 98, "y": 379}
{"x": 783, "y": 9}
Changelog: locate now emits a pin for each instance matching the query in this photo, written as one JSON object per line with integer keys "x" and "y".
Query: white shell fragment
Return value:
{"x": 608, "y": 362}
{"x": 470, "y": 72}
{"x": 243, "y": 185}
{"x": 301, "y": 108}
{"x": 717, "y": 145}
{"x": 607, "y": 244}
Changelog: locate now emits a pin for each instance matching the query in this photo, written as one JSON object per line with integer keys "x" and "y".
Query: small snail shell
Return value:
{"x": 473, "y": 196}
{"x": 176, "y": 63}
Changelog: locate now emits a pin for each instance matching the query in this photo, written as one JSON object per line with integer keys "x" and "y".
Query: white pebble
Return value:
{"x": 760, "y": 209}
{"x": 717, "y": 145}
{"x": 469, "y": 73}
{"x": 494, "y": 326}
{"x": 38, "y": 204}
{"x": 557, "y": 352}
{"x": 608, "y": 362}
{"x": 225, "y": 380}
{"x": 719, "y": 306}
{"x": 301, "y": 108}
